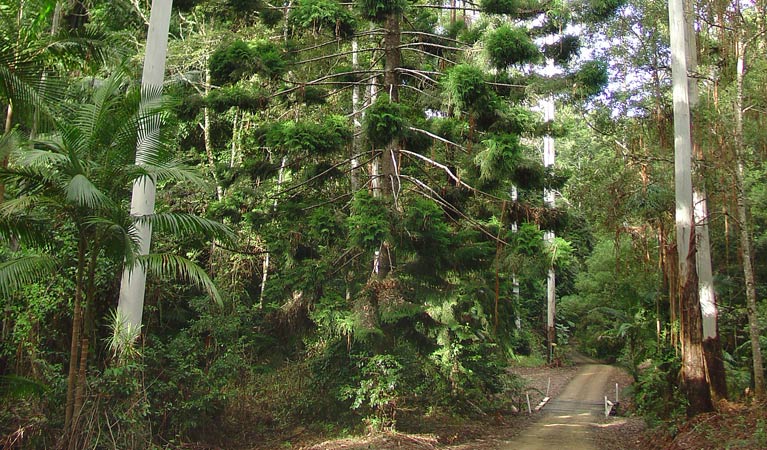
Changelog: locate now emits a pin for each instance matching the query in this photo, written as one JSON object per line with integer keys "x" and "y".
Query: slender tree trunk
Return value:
{"x": 745, "y": 236}
{"x": 8, "y": 127}
{"x": 548, "y": 200}
{"x": 208, "y": 142}
{"x": 79, "y": 394}
{"x": 357, "y": 122}
{"x": 375, "y": 170}
{"x": 75, "y": 345}
{"x": 265, "y": 265}
{"x": 514, "y": 279}
{"x": 236, "y": 124}
{"x": 133, "y": 284}
{"x": 712, "y": 347}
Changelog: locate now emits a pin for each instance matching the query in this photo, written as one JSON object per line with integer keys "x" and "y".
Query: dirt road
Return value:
{"x": 568, "y": 421}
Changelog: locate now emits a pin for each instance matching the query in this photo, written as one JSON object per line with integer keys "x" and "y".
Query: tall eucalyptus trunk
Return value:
{"x": 207, "y": 139}
{"x": 133, "y": 284}
{"x": 514, "y": 278}
{"x": 694, "y": 380}
{"x": 548, "y": 199}
{"x": 354, "y": 173}
{"x": 754, "y": 330}
{"x": 712, "y": 346}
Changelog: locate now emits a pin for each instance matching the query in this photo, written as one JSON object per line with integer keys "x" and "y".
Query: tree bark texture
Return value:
{"x": 694, "y": 380}
{"x": 389, "y": 160}
{"x": 712, "y": 346}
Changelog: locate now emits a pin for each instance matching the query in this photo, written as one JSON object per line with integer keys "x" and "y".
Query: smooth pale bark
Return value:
{"x": 712, "y": 346}
{"x": 133, "y": 284}
{"x": 265, "y": 264}
{"x": 682, "y": 143}
{"x": 354, "y": 173}
{"x": 514, "y": 278}
{"x": 548, "y": 200}
{"x": 694, "y": 380}
{"x": 375, "y": 171}
{"x": 754, "y": 330}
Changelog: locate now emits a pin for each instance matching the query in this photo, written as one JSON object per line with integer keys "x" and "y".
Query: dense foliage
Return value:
{"x": 350, "y": 220}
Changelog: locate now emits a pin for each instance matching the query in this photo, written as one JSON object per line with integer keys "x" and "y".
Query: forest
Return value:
{"x": 252, "y": 224}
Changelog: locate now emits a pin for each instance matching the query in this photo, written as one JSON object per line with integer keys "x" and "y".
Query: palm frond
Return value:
{"x": 8, "y": 143}
{"x": 18, "y": 206}
{"x": 38, "y": 157}
{"x": 28, "y": 230}
{"x": 82, "y": 192}
{"x": 150, "y": 142}
{"x": 188, "y": 224}
{"x": 83, "y": 44}
{"x": 168, "y": 265}
{"x": 24, "y": 270}
{"x": 27, "y": 179}
{"x": 19, "y": 84}
{"x": 119, "y": 243}
{"x": 15, "y": 386}
{"x": 173, "y": 170}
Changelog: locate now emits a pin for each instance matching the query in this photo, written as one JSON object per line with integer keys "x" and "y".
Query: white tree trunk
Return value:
{"x": 265, "y": 265}
{"x": 703, "y": 263}
{"x": 706, "y": 291}
{"x": 514, "y": 278}
{"x": 131, "y": 303}
{"x": 548, "y": 200}
{"x": 356, "y": 118}
{"x": 682, "y": 145}
{"x": 208, "y": 141}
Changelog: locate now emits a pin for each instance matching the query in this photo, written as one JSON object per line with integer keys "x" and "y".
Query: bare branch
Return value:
{"x": 434, "y": 136}
{"x": 337, "y": 55}
{"x": 450, "y": 174}
{"x": 439, "y": 199}
{"x": 430, "y": 44}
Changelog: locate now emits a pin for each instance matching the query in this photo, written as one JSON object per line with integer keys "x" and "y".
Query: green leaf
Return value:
{"x": 24, "y": 270}
{"x": 167, "y": 265}
{"x": 14, "y": 386}
{"x": 83, "y": 192}
{"x": 185, "y": 224}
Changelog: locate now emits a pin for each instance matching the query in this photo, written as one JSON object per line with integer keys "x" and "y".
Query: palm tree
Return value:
{"x": 77, "y": 180}
{"x": 32, "y": 48}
